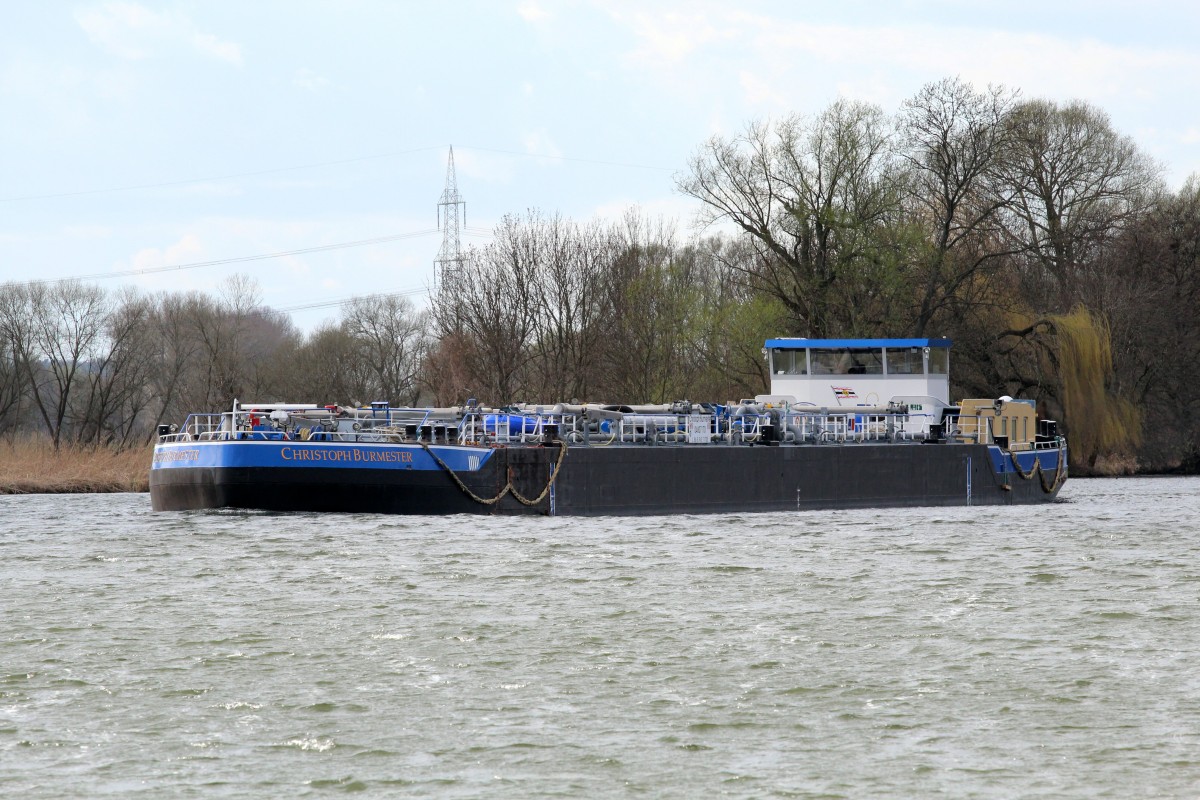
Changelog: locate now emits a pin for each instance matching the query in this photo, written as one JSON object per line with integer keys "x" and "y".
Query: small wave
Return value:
{"x": 233, "y": 512}
{"x": 311, "y": 744}
{"x": 347, "y": 784}
{"x": 389, "y": 636}
{"x": 321, "y": 707}
{"x": 17, "y": 676}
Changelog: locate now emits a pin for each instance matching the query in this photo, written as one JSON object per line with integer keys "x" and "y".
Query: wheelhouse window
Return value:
{"x": 905, "y": 360}
{"x": 847, "y": 361}
{"x": 789, "y": 362}
{"x": 939, "y": 361}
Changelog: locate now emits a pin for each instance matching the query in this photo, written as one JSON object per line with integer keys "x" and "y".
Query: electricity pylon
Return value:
{"x": 449, "y": 261}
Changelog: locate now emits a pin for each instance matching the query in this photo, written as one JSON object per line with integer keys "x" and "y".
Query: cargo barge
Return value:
{"x": 849, "y": 423}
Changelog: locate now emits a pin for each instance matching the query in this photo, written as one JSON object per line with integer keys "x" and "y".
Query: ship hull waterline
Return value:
{"x": 594, "y": 481}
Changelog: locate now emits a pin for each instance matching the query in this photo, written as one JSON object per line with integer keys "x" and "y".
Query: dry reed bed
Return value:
{"x": 33, "y": 467}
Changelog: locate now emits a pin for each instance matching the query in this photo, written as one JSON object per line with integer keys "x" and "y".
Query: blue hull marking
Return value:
{"x": 1002, "y": 462}
{"x": 287, "y": 454}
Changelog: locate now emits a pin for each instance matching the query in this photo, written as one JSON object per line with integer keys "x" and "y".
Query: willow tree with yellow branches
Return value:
{"x": 1065, "y": 360}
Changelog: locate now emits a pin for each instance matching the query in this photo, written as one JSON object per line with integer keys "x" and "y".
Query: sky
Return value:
{"x": 136, "y": 137}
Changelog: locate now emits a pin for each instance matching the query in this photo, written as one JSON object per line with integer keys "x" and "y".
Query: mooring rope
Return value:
{"x": 1059, "y": 472}
{"x": 508, "y": 487}
{"x": 1060, "y": 475}
{"x": 1037, "y": 466}
{"x": 562, "y": 455}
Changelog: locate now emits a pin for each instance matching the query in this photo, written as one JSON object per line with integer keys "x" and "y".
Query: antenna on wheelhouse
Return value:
{"x": 449, "y": 261}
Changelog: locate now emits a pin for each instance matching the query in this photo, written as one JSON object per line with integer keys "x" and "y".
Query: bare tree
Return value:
{"x": 67, "y": 323}
{"x": 238, "y": 347}
{"x": 568, "y": 293}
{"x": 334, "y": 368}
{"x": 268, "y": 347}
{"x": 732, "y": 321}
{"x": 643, "y": 331}
{"x": 172, "y": 350}
{"x": 952, "y": 138}
{"x": 813, "y": 195}
{"x": 1076, "y": 183}
{"x": 489, "y": 309}
{"x": 390, "y": 338}
{"x": 1155, "y": 271}
{"x": 109, "y": 409}
{"x": 15, "y": 333}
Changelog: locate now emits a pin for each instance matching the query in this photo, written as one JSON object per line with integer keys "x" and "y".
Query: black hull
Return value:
{"x": 626, "y": 481}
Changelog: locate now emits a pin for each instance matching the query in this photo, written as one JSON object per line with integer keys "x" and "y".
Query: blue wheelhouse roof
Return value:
{"x": 821, "y": 344}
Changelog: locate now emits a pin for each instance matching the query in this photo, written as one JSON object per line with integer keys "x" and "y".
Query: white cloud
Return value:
{"x": 484, "y": 166}
{"x": 668, "y": 37}
{"x": 113, "y": 27}
{"x": 184, "y": 250}
{"x": 777, "y": 60}
{"x": 87, "y": 231}
{"x": 209, "y": 45}
{"x": 296, "y": 279}
{"x": 187, "y": 248}
{"x": 532, "y": 11}
{"x": 35, "y": 77}
{"x": 310, "y": 80}
{"x": 205, "y": 189}
{"x": 539, "y": 143}
{"x": 60, "y": 104}
{"x": 132, "y": 31}
{"x": 730, "y": 65}
{"x": 673, "y": 209}
{"x": 761, "y": 92}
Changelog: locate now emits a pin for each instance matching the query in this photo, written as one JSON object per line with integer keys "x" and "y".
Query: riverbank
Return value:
{"x": 34, "y": 467}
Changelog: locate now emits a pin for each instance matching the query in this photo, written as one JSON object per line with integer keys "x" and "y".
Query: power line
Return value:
{"x": 567, "y": 158}
{"x": 344, "y": 300}
{"x": 165, "y": 184}
{"x": 236, "y": 260}
{"x": 274, "y": 170}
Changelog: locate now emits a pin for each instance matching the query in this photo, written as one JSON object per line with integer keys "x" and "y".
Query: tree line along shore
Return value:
{"x": 1038, "y": 238}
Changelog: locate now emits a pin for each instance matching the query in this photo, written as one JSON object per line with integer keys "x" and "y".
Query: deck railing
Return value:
{"x": 732, "y": 424}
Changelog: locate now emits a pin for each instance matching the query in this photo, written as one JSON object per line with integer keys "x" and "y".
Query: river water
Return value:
{"x": 1040, "y": 651}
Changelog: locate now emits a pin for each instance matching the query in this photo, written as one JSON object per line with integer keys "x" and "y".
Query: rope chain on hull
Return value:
{"x": 508, "y": 488}
{"x": 1060, "y": 474}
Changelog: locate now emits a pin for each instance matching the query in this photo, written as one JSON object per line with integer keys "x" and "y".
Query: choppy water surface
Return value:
{"x": 1049, "y": 651}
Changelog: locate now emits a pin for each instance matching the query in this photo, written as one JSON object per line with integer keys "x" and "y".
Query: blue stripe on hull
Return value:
{"x": 285, "y": 454}
{"x": 1002, "y": 461}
